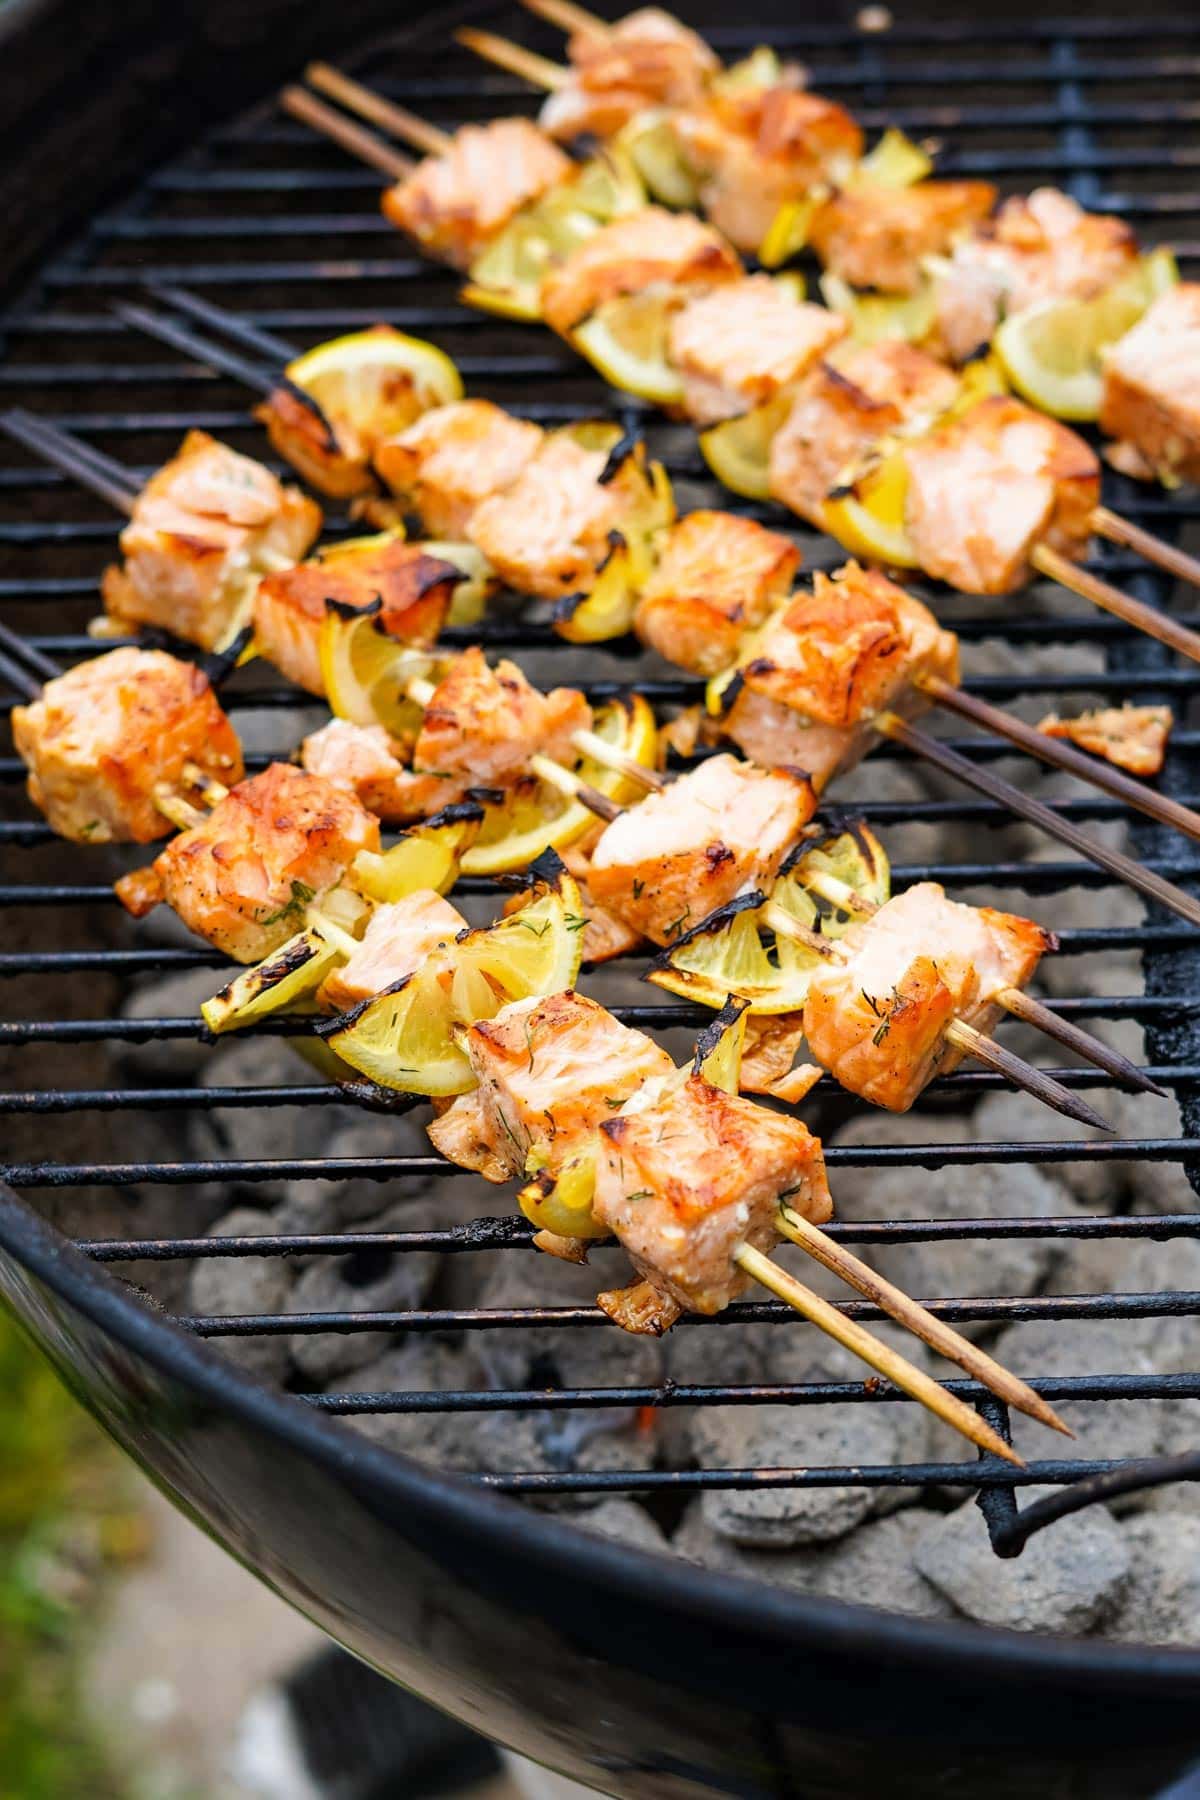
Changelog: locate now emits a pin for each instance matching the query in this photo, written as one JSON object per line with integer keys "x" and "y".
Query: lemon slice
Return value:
{"x": 365, "y": 671}
{"x": 407, "y": 1037}
{"x": 537, "y": 950}
{"x": 428, "y": 856}
{"x": 606, "y": 609}
{"x": 1053, "y": 353}
{"x": 868, "y": 518}
{"x": 606, "y": 186}
{"x": 719, "y": 1047}
{"x": 506, "y": 278}
{"x": 739, "y": 451}
{"x": 625, "y": 340}
{"x": 724, "y": 955}
{"x": 653, "y": 147}
{"x": 854, "y": 857}
{"x": 895, "y": 162}
{"x": 761, "y": 69}
{"x": 874, "y": 317}
{"x": 290, "y": 972}
{"x": 536, "y": 817}
{"x": 562, "y": 1202}
{"x": 376, "y": 382}
{"x": 788, "y": 231}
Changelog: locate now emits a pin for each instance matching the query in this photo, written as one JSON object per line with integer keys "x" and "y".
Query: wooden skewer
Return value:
{"x": 864, "y": 1344}
{"x": 356, "y": 98}
{"x": 1117, "y": 530}
{"x": 1133, "y": 612}
{"x": 984, "y": 781}
{"x": 1014, "y": 1000}
{"x": 962, "y": 1036}
{"x": 539, "y": 71}
{"x": 568, "y": 16}
{"x": 917, "y": 1318}
{"x": 352, "y": 138}
{"x": 1061, "y": 755}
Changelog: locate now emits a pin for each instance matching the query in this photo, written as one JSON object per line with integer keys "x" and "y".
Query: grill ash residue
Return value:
{"x": 1128, "y": 1571}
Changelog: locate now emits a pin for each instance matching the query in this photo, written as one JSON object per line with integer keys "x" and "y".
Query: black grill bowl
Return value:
{"x": 636, "y": 1674}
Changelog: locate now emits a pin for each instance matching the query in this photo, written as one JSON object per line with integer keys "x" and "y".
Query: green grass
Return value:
{"x": 64, "y": 1522}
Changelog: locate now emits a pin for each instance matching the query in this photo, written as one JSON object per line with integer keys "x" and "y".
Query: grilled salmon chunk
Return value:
{"x": 1151, "y": 398}
{"x": 986, "y": 488}
{"x": 243, "y": 878}
{"x": 876, "y": 237}
{"x": 841, "y": 411}
{"x": 1132, "y": 737}
{"x": 453, "y": 457}
{"x": 738, "y": 345}
{"x": 827, "y": 664}
{"x": 550, "y": 1070}
{"x": 646, "y": 59}
{"x": 408, "y": 591}
{"x": 665, "y": 864}
{"x": 754, "y": 150}
{"x": 455, "y": 203}
{"x": 643, "y": 250}
{"x": 483, "y": 724}
{"x": 100, "y": 739}
{"x": 1040, "y": 246}
{"x": 687, "y": 1175}
{"x": 204, "y": 531}
{"x": 398, "y": 938}
{"x": 370, "y": 764}
{"x": 716, "y": 576}
{"x": 550, "y": 530}
{"x": 878, "y": 1019}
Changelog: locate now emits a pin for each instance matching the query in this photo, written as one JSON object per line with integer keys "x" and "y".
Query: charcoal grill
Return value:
{"x": 634, "y": 1673}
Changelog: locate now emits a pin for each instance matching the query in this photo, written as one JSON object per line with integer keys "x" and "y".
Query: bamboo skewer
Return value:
{"x": 1111, "y": 525}
{"x": 90, "y": 467}
{"x": 917, "y": 1318}
{"x": 862, "y": 1343}
{"x": 539, "y": 71}
{"x": 354, "y": 139}
{"x": 569, "y": 17}
{"x": 356, "y": 98}
{"x": 1123, "y": 606}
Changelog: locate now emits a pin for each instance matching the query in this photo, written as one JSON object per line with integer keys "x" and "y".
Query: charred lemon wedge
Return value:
{"x": 375, "y": 383}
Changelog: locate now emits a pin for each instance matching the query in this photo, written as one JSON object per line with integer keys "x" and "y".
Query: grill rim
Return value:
{"x": 546, "y": 1543}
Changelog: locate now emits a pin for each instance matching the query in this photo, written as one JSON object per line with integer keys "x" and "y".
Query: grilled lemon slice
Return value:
{"x": 407, "y": 1037}
{"x": 724, "y": 955}
{"x": 366, "y": 672}
{"x": 286, "y": 976}
{"x": 1053, "y": 353}
{"x": 428, "y": 856}
{"x": 739, "y": 451}
{"x": 868, "y": 516}
{"x": 537, "y": 817}
{"x": 625, "y": 340}
{"x": 376, "y": 382}
{"x": 895, "y": 162}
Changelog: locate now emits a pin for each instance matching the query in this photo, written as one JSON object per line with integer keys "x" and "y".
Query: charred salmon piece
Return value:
{"x": 205, "y": 529}
{"x": 454, "y": 204}
{"x": 842, "y": 653}
{"x": 843, "y": 408}
{"x": 243, "y": 878}
{"x": 1151, "y": 400}
{"x": 646, "y": 249}
{"x": 409, "y": 592}
{"x": 647, "y": 59}
{"x": 364, "y": 760}
{"x": 687, "y": 1175}
{"x": 100, "y": 739}
{"x": 483, "y": 724}
{"x": 716, "y": 576}
{"x": 453, "y": 457}
{"x": 550, "y": 531}
{"x": 550, "y": 1070}
{"x": 1040, "y": 246}
{"x": 737, "y": 346}
{"x": 879, "y": 237}
{"x": 398, "y": 938}
{"x": 1132, "y": 737}
{"x": 986, "y": 488}
{"x": 878, "y": 1019}
{"x": 755, "y": 151}
{"x": 666, "y": 863}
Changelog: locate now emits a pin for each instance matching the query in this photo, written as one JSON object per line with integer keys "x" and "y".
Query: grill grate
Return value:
{"x": 272, "y": 223}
